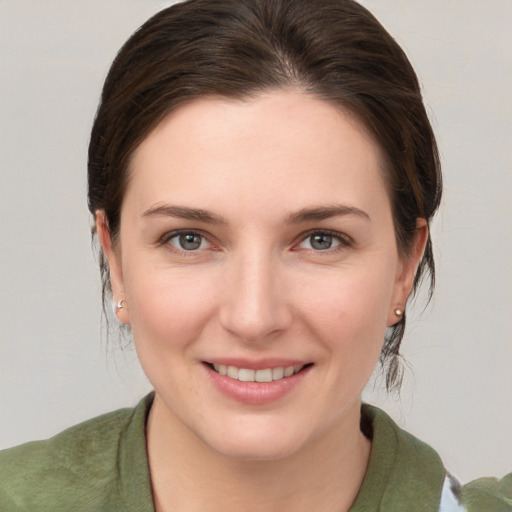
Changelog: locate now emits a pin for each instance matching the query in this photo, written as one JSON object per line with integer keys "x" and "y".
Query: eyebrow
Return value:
{"x": 323, "y": 213}
{"x": 183, "y": 212}
{"x": 304, "y": 215}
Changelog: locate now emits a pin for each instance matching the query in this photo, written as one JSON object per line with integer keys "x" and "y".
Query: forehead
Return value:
{"x": 281, "y": 145}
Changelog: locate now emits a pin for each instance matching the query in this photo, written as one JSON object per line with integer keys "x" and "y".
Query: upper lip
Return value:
{"x": 260, "y": 364}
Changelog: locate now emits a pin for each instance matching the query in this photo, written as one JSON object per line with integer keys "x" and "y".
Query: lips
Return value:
{"x": 256, "y": 382}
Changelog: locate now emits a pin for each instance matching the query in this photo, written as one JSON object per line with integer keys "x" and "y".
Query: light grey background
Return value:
{"x": 56, "y": 368}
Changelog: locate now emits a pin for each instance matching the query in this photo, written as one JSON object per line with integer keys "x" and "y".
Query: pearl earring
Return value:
{"x": 398, "y": 312}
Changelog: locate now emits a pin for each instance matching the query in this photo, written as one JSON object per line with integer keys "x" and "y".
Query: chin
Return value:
{"x": 256, "y": 442}
{"x": 256, "y": 450}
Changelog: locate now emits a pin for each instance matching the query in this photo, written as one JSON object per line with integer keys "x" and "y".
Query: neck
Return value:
{"x": 188, "y": 475}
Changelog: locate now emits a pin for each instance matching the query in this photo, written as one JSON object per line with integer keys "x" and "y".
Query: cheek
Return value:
{"x": 349, "y": 301}
{"x": 169, "y": 307}
{"x": 348, "y": 314}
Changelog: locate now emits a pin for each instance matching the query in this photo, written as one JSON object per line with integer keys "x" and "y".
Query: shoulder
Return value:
{"x": 488, "y": 494}
{"x": 412, "y": 476}
{"x": 481, "y": 495}
{"x": 404, "y": 473}
{"x": 78, "y": 466}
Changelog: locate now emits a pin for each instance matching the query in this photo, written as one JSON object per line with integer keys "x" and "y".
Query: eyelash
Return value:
{"x": 165, "y": 239}
{"x": 343, "y": 240}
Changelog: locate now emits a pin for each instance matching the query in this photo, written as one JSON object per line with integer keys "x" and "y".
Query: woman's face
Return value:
{"x": 257, "y": 239}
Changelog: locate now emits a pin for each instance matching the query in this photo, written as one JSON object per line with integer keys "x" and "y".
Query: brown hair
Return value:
{"x": 334, "y": 49}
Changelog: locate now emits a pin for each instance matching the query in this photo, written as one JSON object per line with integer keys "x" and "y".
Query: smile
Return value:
{"x": 262, "y": 375}
{"x": 263, "y": 383}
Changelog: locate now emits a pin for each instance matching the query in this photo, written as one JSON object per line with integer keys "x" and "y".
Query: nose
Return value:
{"x": 255, "y": 308}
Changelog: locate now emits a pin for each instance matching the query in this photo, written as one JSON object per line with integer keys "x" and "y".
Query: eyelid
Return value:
{"x": 166, "y": 237}
{"x": 344, "y": 239}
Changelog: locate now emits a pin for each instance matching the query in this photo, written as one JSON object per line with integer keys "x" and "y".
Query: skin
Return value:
{"x": 258, "y": 287}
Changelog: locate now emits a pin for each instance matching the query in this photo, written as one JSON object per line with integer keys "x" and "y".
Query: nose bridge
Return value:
{"x": 255, "y": 304}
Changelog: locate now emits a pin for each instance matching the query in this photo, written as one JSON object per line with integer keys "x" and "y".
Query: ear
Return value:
{"x": 406, "y": 271}
{"x": 113, "y": 257}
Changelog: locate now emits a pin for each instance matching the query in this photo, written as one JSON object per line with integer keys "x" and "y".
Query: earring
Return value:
{"x": 120, "y": 304}
{"x": 398, "y": 312}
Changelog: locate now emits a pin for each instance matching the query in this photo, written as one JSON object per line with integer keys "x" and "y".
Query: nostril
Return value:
{"x": 253, "y": 319}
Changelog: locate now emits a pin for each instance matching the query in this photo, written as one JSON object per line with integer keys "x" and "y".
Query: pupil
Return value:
{"x": 320, "y": 242}
{"x": 190, "y": 241}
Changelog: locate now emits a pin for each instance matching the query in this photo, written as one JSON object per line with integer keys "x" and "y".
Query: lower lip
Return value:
{"x": 255, "y": 393}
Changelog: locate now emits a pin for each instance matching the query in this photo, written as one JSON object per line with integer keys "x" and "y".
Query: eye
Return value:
{"x": 188, "y": 241}
{"x": 323, "y": 241}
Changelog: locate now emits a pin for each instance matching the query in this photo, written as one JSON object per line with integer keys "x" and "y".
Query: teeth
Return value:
{"x": 232, "y": 372}
{"x": 265, "y": 375}
{"x": 246, "y": 375}
{"x": 288, "y": 372}
{"x": 277, "y": 373}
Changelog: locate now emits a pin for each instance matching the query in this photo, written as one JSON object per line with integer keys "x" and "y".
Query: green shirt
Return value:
{"x": 101, "y": 465}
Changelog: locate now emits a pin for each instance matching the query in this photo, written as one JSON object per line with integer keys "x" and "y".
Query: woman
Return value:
{"x": 262, "y": 175}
